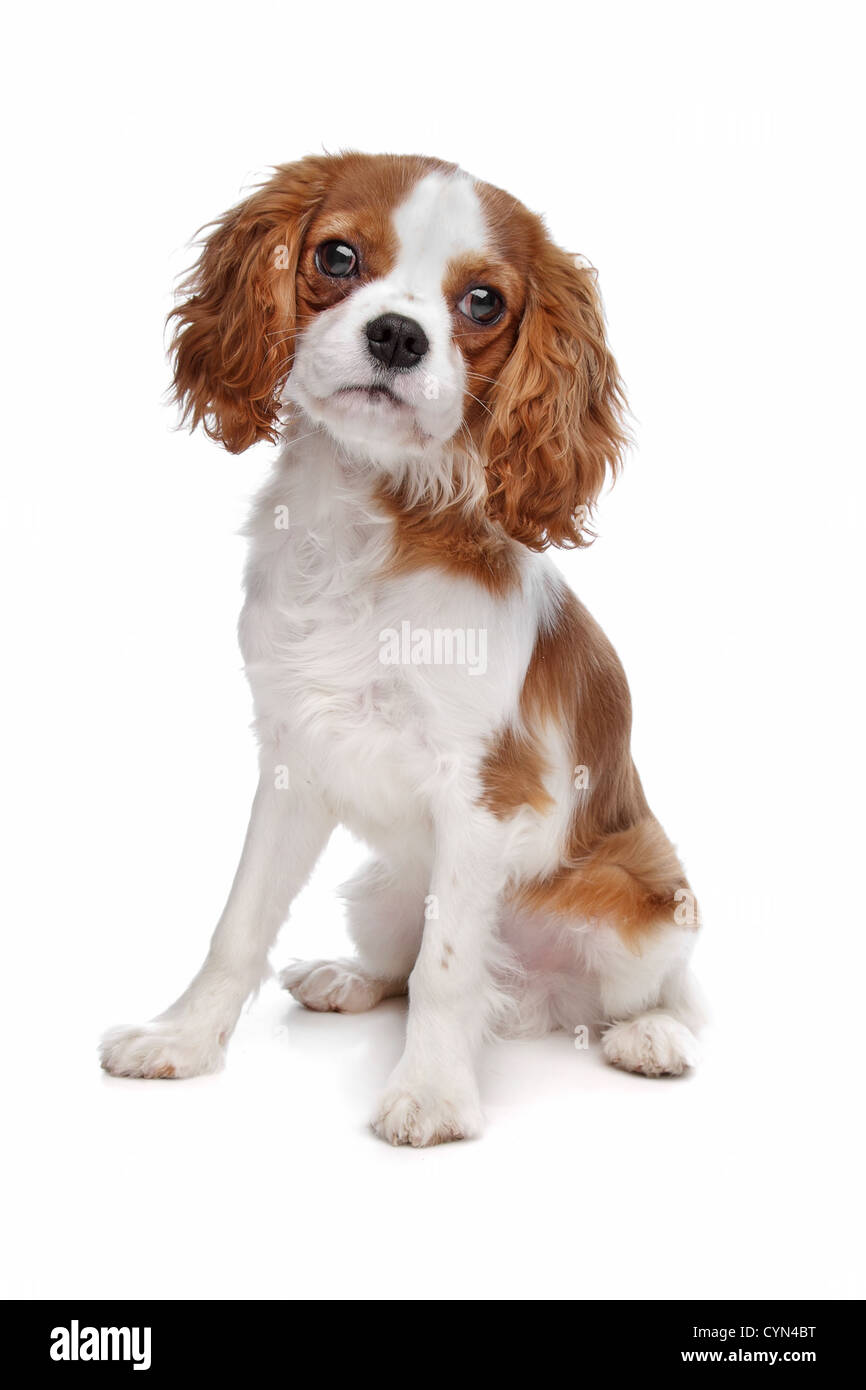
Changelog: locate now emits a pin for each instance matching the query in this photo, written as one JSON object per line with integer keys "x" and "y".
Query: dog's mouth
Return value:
{"x": 375, "y": 393}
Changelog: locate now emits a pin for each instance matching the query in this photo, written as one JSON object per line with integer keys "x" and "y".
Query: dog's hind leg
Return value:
{"x": 649, "y": 1001}
{"x": 641, "y": 919}
{"x": 647, "y": 928}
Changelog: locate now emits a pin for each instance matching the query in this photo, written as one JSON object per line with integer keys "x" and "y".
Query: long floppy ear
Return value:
{"x": 233, "y": 339}
{"x": 558, "y": 410}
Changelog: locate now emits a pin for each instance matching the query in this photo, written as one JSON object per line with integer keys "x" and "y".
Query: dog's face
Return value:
{"x": 402, "y": 299}
{"x": 408, "y": 310}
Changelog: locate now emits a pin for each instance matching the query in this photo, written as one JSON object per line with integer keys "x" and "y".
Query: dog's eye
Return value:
{"x": 337, "y": 258}
{"x": 482, "y": 305}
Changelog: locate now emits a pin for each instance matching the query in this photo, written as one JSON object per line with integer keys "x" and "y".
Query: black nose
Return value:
{"x": 396, "y": 341}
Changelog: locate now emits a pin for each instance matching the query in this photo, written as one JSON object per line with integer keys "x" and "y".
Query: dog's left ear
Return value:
{"x": 557, "y": 412}
{"x": 234, "y": 337}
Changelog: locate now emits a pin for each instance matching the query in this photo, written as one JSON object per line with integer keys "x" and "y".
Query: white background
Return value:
{"x": 707, "y": 159}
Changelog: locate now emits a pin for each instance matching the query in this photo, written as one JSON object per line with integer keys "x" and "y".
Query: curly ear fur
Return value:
{"x": 557, "y": 418}
{"x": 234, "y": 337}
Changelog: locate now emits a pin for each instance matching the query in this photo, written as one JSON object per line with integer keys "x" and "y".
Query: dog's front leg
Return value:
{"x": 287, "y": 831}
{"x": 432, "y": 1094}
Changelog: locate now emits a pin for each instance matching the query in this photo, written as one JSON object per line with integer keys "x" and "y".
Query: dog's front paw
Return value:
{"x": 160, "y": 1050}
{"x": 422, "y": 1110}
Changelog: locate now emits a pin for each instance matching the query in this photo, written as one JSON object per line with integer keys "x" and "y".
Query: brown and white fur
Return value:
{"x": 519, "y": 881}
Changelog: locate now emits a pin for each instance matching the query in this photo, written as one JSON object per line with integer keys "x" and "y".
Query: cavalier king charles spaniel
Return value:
{"x": 437, "y": 373}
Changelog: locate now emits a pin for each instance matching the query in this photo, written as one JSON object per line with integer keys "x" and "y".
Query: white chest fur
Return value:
{"x": 368, "y": 681}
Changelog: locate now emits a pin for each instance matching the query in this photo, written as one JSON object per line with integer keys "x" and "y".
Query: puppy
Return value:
{"x": 437, "y": 373}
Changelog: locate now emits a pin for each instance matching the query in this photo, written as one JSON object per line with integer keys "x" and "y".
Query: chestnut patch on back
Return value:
{"x": 617, "y": 863}
{"x": 513, "y": 774}
{"x": 574, "y": 681}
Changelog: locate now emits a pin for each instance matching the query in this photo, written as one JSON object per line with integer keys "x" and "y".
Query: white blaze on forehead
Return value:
{"x": 442, "y": 218}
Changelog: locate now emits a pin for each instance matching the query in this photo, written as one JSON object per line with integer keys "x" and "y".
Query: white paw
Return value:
{"x": 338, "y": 986}
{"x": 162, "y": 1050}
{"x": 655, "y": 1044}
{"x": 424, "y": 1111}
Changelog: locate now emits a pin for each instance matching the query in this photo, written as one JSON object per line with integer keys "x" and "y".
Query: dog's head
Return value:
{"x": 409, "y": 310}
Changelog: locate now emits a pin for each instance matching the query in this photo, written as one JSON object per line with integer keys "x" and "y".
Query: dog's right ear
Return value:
{"x": 234, "y": 336}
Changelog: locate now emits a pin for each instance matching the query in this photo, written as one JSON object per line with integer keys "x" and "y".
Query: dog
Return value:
{"x": 438, "y": 374}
